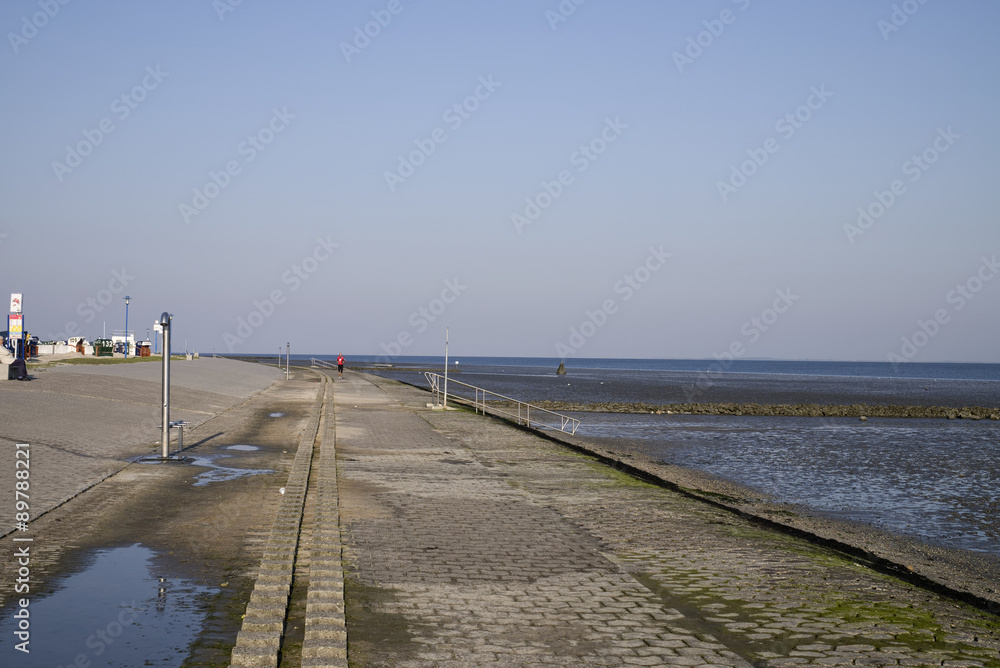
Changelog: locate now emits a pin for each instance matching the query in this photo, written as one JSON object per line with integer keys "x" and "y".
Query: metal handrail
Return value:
{"x": 314, "y": 362}
{"x": 524, "y": 409}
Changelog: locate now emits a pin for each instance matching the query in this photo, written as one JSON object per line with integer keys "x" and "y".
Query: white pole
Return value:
{"x": 446, "y": 368}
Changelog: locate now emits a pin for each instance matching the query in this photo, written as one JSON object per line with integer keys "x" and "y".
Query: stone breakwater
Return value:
{"x": 792, "y": 410}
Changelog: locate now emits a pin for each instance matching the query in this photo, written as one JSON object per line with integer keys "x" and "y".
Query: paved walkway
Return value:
{"x": 83, "y": 422}
{"x": 469, "y": 542}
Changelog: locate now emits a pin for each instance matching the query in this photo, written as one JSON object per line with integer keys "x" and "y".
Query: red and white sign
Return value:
{"x": 15, "y": 326}
{"x": 15, "y": 302}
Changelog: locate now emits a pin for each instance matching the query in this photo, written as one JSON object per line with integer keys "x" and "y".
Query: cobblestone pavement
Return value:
{"x": 471, "y": 542}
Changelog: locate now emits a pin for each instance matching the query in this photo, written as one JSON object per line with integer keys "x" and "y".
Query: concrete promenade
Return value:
{"x": 205, "y": 522}
{"x": 470, "y": 542}
{"x": 84, "y": 421}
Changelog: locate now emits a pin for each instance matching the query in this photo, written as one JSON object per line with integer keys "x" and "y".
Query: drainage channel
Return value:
{"x": 295, "y": 615}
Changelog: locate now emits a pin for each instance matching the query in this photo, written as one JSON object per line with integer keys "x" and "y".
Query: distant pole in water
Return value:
{"x": 446, "y": 367}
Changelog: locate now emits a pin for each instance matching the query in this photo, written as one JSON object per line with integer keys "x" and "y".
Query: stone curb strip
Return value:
{"x": 259, "y": 639}
{"x": 325, "y": 644}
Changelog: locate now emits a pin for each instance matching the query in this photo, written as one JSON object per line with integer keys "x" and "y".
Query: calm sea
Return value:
{"x": 954, "y": 371}
{"x": 937, "y": 480}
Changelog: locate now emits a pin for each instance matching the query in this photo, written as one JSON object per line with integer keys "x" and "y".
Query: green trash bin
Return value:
{"x": 104, "y": 348}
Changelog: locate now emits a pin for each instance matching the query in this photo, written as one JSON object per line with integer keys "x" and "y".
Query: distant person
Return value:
{"x": 340, "y": 365}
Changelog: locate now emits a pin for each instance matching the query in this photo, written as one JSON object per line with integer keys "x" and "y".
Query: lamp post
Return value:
{"x": 127, "y": 298}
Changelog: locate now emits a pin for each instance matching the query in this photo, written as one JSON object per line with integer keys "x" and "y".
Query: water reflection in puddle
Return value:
{"x": 216, "y": 473}
{"x": 244, "y": 448}
{"x": 277, "y": 415}
{"x": 118, "y": 612}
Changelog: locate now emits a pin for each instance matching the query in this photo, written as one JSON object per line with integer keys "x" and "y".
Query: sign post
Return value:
{"x": 15, "y": 325}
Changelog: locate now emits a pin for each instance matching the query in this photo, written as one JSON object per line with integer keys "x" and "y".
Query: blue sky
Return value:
{"x": 641, "y": 179}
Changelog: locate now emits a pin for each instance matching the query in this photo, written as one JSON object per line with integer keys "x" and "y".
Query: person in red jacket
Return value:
{"x": 340, "y": 365}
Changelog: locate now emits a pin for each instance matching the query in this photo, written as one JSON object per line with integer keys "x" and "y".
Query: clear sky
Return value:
{"x": 795, "y": 180}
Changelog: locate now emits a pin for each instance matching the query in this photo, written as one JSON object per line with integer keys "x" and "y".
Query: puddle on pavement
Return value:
{"x": 216, "y": 473}
{"x": 118, "y": 612}
{"x": 277, "y": 415}
{"x": 244, "y": 448}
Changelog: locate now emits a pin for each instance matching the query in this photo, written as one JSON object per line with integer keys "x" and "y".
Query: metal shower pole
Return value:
{"x": 165, "y": 427}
